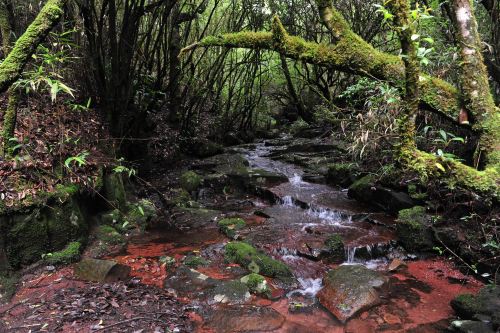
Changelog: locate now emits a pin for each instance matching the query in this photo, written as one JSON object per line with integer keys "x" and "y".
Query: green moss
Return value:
{"x": 141, "y": 213}
{"x": 195, "y": 261}
{"x": 71, "y": 253}
{"x": 114, "y": 190}
{"x": 343, "y": 174}
{"x": 230, "y": 226}
{"x": 247, "y": 256}
{"x": 412, "y": 229}
{"x": 109, "y": 235}
{"x": 256, "y": 283}
{"x": 25, "y": 46}
{"x": 190, "y": 181}
{"x": 336, "y": 248}
{"x": 114, "y": 217}
{"x": 181, "y": 198}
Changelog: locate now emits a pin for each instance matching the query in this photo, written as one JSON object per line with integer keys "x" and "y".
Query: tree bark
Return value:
{"x": 475, "y": 86}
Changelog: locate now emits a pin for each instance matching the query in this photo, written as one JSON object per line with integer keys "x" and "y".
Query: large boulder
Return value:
{"x": 366, "y": 190}
{"x": 342, "y": 174}
{"x": 413, "y": 229}
{"x": 349, "y": 289}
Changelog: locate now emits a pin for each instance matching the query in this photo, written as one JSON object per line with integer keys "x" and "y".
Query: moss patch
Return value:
{"x": 247, "y": 256}
{"x": 195, "y": 261}
{"x": 256, "y": 283}
{"x": 71, "y": 253}
{"x": 230, "y": 226}
{"x": 336, "y": 249}
{"x": 190, "y": 181}
{"x": 109, "y": 235}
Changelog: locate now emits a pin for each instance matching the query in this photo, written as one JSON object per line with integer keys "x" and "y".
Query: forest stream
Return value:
{"x": 293, "y": 228}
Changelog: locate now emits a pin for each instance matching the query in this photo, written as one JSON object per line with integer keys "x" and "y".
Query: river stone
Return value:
{"x": 349, "y": 289}
{"x": 101, "y": 270}
{"x": 245, "y": 319}
{"x": 230, "y": 292}
{"x": 485, "y": 304}
{"x": 186, "y": 280}
{"x": 193, "y": 218}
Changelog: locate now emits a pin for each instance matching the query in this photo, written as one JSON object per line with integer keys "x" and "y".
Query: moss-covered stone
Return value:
{"x": 180, "y": 198}
{"x": 8, "y": 283}
{"x": 195, "y": 261}
{"x": 113, "y": 217}
{"x": 247, "y": 256}
{"x": 109, "y": 235}
{"x": 230, "y": 226}
{"x": 336, "y": 250}
{"x": 141, "y": 213}
{"x": 256, "y": 283}
{"x": 486, "y": 303}
{"x": 190, "y": 181}
{"x": 70, "y": 254}
{"x": 413, "y": 230}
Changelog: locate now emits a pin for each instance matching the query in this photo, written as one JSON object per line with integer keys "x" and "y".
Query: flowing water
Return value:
{"x": 293, "y": 230}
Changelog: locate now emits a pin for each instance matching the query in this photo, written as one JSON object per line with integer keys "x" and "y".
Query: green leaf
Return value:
{"x": 440, "y": 167}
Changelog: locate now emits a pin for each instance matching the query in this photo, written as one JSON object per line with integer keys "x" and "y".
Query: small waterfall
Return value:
{"x": 296, "y": 180}
{"x": 351, "y": 253}
{"x": 308, "y": 287}
{"x": 287, "y": 201}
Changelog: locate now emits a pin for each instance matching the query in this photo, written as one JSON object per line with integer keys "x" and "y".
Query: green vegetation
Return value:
{"x": 230, "y": 226}
{"x": 247, "y": 256}
{"x": 70, "y": 254}
{"x": 190, "y": 181}
{"x": 412, "y": 229}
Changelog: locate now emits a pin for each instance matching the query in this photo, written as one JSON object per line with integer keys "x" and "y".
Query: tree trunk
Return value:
{"x": 475, "y": 86}
{"x": 12, "y": 67}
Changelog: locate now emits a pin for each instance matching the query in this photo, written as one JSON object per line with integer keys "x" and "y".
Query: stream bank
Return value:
{"x": 255, "y": 243}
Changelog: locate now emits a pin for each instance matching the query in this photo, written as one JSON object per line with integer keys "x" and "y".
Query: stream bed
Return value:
{"x": 291, "y": 223}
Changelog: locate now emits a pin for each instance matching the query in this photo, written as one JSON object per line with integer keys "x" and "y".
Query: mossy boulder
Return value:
{"x": 30, "y": 232}
{"x": 486, "y": 304}
{"x": 70, "y": 254}
{"x": 190, "y": 181}
{"x": 336, "y": 250}
{"x": 205, "y": 148}
{"x": 256, "y": 283}
{"x": 342, "y": 174}
{"x": 247, "y": 256}
{"x": 229, "y": 226}
{"x": 140, "y": 213}
{"x": 113, "y": 217}
{"x": 413, "y": 229}
{"x": 230, "y": 292}
{"x": 368, "y": 191}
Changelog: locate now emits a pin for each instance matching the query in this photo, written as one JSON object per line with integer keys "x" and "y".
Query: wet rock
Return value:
{"x": 186, "y": 281}
{"x": 230, "y": 292}
{"x": 413, "y": 229}
{"x": 486, "y": 303}
{"x": 101, "y": 270}
{"x": 470, "y": 326}
{"x": 336, "y": 250}
{"x": 396, "y": 265}
{"x": 342, "y": 174}
{"x": 195, "y": 261}
{"x": 349, "y": 289}
{"x": 247, "y": 256}
{"x": 313, "y": 178}
{"x": 193, "y": 218}
{"x": 245, "y": 319}
{"x": 230, "y": 226}
{"x": 205, "y": 148}
{"x": 367, "y": 191}
{"x": 256, "y": 283}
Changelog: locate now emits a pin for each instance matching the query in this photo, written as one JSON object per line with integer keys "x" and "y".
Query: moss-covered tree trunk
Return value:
{"x": 10, "y": 114}
{"x": 12, "y": 67}
{"x": 474, "y": 84}
{"x": 406, "y": 120}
